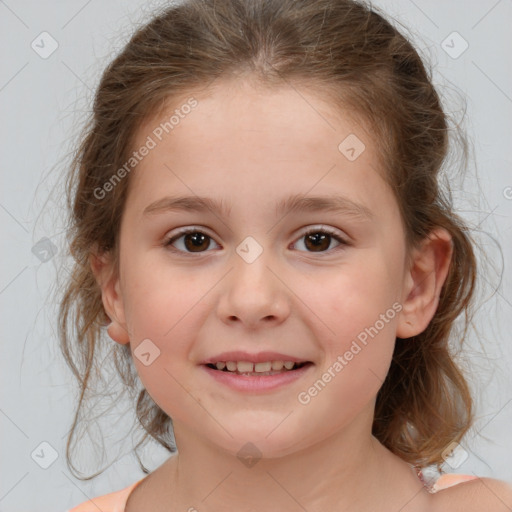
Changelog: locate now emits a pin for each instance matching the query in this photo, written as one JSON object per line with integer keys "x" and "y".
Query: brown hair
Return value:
{"x": 349, "y": 52}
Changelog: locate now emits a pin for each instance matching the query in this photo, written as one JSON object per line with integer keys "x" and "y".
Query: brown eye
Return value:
{"x": 319, "y": 240}
{"x": 193, "y": 241}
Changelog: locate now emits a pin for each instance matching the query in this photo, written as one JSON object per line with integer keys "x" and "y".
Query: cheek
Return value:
{"x": 159, "y": 300}
{"x": 359, "y": 315}
{"x": 355, "y": 297}
{"x": 169, "y": 390}
{"x": 162, "y": 325}
{"x": 162, "y": 311}
{"x": 356, "y": 363}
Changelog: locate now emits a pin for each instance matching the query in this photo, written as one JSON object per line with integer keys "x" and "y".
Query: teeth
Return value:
{"x": 262, "y": 367}
{"x": 248, "y": 367}
{"x": 244, "y": 366}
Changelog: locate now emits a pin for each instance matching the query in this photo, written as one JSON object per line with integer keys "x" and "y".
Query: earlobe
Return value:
{"x": 424, "y": 279}
{"x": 118, "y": 332}
{"x": 108, "y": 281}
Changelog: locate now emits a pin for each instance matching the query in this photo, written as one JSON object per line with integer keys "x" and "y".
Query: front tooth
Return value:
{"x": 263, "y": 367}
{"x": 248, "y": 367}
{"x": 245, "y": 366}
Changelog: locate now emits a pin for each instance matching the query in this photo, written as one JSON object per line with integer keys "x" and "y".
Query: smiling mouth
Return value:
{"x": 249, "y": 369}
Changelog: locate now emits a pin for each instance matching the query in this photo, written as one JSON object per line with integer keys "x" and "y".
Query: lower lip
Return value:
{"x": 258, "y": 383}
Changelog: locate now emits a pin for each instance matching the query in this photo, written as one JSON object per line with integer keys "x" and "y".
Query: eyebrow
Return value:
{"x": 293, "y": 204}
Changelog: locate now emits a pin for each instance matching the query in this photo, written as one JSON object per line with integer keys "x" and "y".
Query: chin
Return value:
{"x": 258, "y": 442}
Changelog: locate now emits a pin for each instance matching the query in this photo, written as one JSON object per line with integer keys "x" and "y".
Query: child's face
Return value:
{"x": 251, "y": 150}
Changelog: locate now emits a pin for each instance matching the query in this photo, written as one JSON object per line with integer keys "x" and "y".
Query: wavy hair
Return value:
{"x": 347, "y": 50}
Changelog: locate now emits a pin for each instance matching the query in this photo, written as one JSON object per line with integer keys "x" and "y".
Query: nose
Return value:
{"x": 254, "y": 294}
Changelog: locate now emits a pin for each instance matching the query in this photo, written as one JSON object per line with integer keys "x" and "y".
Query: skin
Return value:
{"x": 251, "y": 148}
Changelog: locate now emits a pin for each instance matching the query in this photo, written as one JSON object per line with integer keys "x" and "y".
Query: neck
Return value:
{"x": 333, "y": 474}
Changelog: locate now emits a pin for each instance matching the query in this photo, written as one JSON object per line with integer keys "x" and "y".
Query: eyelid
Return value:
{"x": 329, "y": 230}
{"x": 167, "y": 241}
{"x": 342, "y": 239}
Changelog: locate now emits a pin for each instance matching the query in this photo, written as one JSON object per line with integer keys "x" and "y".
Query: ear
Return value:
{"x": 423, "y": 281}
{"x": 107, "y": 278}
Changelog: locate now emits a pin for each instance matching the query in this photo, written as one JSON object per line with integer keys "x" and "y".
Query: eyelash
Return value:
{"x": 342, "y": 242}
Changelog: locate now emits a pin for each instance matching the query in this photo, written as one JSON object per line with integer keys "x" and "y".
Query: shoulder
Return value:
{"x": 111, "y": 502}
{"x": 475, "y": 494}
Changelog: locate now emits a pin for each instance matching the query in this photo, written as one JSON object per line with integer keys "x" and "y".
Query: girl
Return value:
{"x": 256, "y": 217}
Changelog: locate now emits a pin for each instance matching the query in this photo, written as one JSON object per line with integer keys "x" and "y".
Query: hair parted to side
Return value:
{"x": 350, "y": 54}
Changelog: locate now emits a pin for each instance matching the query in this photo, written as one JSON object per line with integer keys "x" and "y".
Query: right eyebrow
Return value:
{"x": 186, "y": 203}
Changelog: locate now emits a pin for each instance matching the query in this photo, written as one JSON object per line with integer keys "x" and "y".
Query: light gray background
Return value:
{"x": 43, "y": 102}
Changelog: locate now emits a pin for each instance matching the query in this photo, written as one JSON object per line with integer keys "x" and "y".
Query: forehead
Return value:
{"x": 254, "y": 142}
{"x": 270, "y": 117}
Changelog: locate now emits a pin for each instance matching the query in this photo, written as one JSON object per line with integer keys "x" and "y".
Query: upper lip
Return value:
{"x": 260, "y": 357}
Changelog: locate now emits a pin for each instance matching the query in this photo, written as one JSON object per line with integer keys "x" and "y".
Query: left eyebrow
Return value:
{"x": 296, "y": 203}
{"x": 335, "y": 204}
